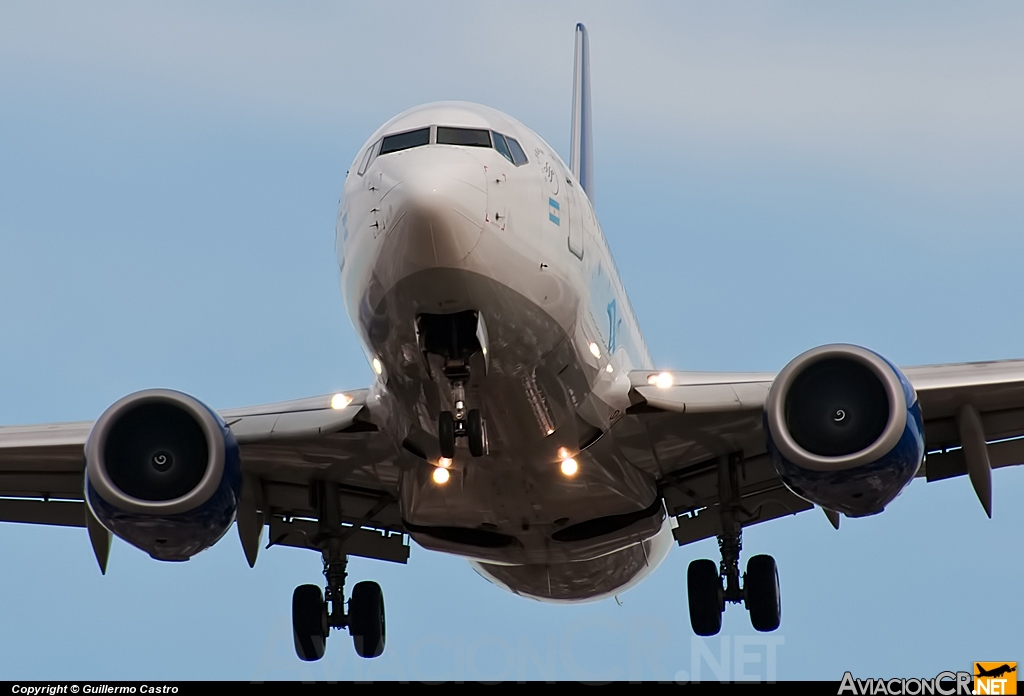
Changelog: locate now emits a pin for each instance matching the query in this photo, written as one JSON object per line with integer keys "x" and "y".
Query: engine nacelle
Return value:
{"x": 163, "y": 473}
{"x": 844, "y": 429}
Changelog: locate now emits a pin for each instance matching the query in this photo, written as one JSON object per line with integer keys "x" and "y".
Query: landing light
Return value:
{"x": 662, "y": 380}
{"x": 570, "y": 467}
{"x": 594, "y": 350}
{"x": 377, "y": 367}
{"x": 340, "y": 401}
{"x": 441, "y": 476}
{"x": 444, "y": 462}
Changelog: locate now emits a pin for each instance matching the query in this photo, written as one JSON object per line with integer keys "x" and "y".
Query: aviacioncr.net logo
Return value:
{"x": 943, "y": 684}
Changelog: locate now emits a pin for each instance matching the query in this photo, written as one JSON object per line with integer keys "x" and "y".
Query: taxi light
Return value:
{"x": 441, "y": 476}
{"x": 563, "y": 453}
{"x": 340, "y": 401}
{"x": 609, "y": 369}
{"x": 445, "y": 462}
{"x": 569, "y": 467}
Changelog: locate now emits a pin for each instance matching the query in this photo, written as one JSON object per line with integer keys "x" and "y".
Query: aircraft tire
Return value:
{"x": 446, "y": 434}
{"x": 761, "y": 590}
{"x": 309, "y": 622}
{"x": 366, "y": 619}
{"x": 475, "y": 432}
{"x": 704, "y": 592}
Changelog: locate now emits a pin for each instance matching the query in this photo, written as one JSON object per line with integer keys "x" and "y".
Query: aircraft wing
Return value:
{"x": 679, "y": 432}
{"x": 284, "y": 447}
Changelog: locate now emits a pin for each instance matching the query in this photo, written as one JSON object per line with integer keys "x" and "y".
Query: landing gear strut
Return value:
{"x": 315, "y": 613}
{"x": 710, "y": 587}
{"x": 463, "y": 423}
{"x": 456, "y": 338}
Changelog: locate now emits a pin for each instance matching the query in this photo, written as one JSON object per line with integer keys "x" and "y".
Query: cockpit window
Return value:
{"x": 404, "y": 141}
{"x": 518, "y": 156}
{"x": 501, "y": 146}
{"x": 369, "y": 157}
{"x": 471, "y": 137}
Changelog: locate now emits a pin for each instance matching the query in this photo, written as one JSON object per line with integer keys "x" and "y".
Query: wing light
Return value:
{"x": 662, "y": 380}
{"x": 340, "y": 401}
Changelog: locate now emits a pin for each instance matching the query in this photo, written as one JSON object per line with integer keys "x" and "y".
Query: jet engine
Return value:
{"x": 163, "y": 473}
{"x": 843, "y": 429}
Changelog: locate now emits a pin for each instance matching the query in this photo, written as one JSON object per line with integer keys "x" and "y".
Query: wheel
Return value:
{"x": 704, "y": 591}
{"x": 475, "y": 432}
{"x": 446, "y": 433}
{"x": 366, "y": 619}
{"x": 309, "y": 622}
{"x": 761, "y": 593}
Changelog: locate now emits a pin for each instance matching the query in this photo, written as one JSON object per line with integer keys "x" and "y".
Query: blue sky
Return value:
{"x": 770, "y": 177}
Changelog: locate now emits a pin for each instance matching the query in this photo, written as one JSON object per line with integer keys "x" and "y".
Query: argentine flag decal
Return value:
{"x": 553, "y": 211}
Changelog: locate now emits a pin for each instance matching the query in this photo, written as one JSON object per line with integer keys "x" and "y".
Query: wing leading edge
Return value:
{"x": 287, "y": 449}
{"x": 683, "y": 430}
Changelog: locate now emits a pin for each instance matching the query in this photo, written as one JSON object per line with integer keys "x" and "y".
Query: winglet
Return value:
{"x": 581, "y": 156}
{"x": 979, "y": 467}
{"x": 833, "y": 517}
{"x": 99, "y": 536}
{"x": 249, "y": 519}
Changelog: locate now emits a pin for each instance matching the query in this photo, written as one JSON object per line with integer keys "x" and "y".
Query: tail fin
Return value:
{"x": 581, "y": 156}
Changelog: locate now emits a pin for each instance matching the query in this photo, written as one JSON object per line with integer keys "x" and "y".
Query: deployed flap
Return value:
{"x": 581, "y": 156}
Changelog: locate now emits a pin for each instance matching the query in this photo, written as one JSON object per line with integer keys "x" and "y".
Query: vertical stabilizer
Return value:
{"x": 581, "y": 156}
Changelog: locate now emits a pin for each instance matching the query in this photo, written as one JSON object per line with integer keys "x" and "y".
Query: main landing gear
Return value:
{"x": 709, "y": 586}
{"x": 315, "y": 613}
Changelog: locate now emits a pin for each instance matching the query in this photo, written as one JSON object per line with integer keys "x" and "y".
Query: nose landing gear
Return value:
{"x": 456, "y": 338}
{"x": 709, "y": 587}
{"x": 463, "y": 423}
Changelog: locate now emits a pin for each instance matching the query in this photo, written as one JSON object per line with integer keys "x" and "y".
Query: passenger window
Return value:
{"x": 470, "y": 137}
{"x": 404, "y": 141}
{"x": 518, "y": 156}
{"x": 368, "y": 157}
{"x": 501, "y": 146}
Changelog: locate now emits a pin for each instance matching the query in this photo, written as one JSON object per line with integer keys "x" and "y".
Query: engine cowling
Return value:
{"x": 163, "y": 473}
{"x": 844, "y": 429}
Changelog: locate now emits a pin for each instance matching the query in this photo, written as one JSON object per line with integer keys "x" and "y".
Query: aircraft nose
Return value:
{"x": 438, "y": 206}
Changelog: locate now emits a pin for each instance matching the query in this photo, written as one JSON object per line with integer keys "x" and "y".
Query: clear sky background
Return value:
{"x": 770, "y": 178}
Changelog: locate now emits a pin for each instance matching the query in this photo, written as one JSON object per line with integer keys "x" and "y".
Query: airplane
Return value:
{"x": 995, "y": 672}
{"x": 516, "y": 417}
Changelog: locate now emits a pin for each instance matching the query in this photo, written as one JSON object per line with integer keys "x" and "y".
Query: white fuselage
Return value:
{"x": 441, "y": 228}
